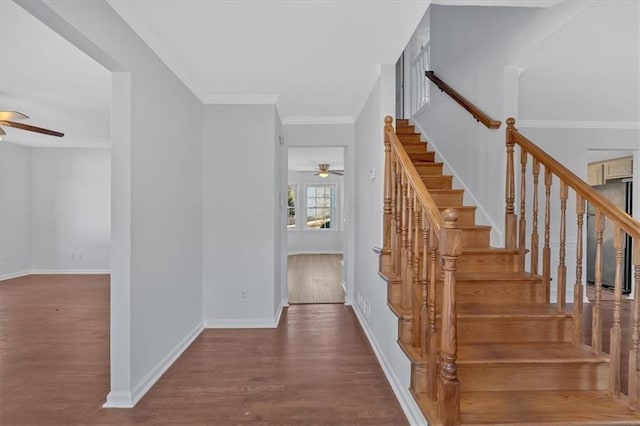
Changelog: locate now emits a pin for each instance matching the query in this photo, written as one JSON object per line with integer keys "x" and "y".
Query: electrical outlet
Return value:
{"x": 243, "y": 296}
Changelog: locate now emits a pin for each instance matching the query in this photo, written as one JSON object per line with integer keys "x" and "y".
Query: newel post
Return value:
{"x": 510, "y": 219}
{"x": 448, "y": 384}
{"x": 386, "y": 243}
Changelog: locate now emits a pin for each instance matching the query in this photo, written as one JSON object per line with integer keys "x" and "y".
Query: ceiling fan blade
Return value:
{"x": 2, "y": 132}
{"x": 337, "y": 172}
{"x": 12, "y": 115}
{"x": 31, "y": 128}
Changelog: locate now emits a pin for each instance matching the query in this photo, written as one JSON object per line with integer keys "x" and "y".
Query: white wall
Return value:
{"x": 370, "y": 303}
{"x": 70, "y": 210}
{"x": 239, "y": 210}
{"x": 330, "y": 240}
{"x": 156, "y": 197}
{"x": 15, "y": 207}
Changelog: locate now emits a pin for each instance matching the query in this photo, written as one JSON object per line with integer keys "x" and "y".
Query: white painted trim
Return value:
{"x": 494, "y": 227}
{"x": 503, "y": 3}
{"x": 568, "y": 124}
{"x": 336, "y": 119}
{"x": 241, "y": 99}
{"x": 118, "y": 400}
{"x": 243, "y": 322}
{"x": 129, "y": 400}
{"x": 278, "y": 316}
{"x": 14, "y": 275}
{"x": 408, "y": 404}
{"x": 293, "y": 253}
{"x": 70, "y": 271}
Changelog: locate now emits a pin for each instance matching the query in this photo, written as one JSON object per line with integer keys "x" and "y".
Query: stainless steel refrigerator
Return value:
{"x": 620, "y": 194}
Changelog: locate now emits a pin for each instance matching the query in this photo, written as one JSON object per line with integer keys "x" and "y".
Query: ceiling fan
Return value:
{"x": 7, "y": 117}
{"x": 323, "y": 171}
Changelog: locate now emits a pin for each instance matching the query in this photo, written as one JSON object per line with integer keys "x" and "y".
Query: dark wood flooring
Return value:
{"x": 316, "y": 368}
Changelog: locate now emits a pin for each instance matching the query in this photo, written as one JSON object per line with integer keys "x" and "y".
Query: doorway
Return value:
{"x": 315, "y": 225}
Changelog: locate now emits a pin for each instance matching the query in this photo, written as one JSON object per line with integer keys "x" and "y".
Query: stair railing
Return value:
{"x": 476, "y": 112}
{"x": 623, "y": 225}
{"x": 421, "y": 245}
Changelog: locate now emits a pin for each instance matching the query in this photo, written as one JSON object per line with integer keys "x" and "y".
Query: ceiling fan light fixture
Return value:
{"x": 323, "y": 174}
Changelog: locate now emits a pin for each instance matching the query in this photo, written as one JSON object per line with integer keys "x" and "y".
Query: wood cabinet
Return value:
{"x": 617, "y": 168}
{"x": 595, "y": 175}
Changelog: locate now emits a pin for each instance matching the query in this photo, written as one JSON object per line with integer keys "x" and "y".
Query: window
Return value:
{"x": 291, "y": 207}
{"x": 321, "y": 205}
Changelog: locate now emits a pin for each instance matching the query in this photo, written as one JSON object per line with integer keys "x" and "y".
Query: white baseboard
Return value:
{"x": 293, "y": 253}
{"x": 279, "y": 315}
{"x": 244, "y": 322}
{"x": 14, "y": 275}
{"x": 408, "y": 404}
{"x": 130, "y": 399}
{"x": 70, "y": 271}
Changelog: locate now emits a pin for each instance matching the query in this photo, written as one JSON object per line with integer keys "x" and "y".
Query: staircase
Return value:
{"x": 486, "y": 346}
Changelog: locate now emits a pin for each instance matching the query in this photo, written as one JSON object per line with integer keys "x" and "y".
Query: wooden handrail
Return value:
{"x": 431, "y": 209}
{"x": 464, "y": 103}
{"x": 612, "y": 212}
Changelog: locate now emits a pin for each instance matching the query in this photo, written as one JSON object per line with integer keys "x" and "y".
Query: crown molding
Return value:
{"x": 503, "y": 3}
{"x": 568, "y": 124}
{"x": 241, "y": 99}
{"x": 299, "y": 121}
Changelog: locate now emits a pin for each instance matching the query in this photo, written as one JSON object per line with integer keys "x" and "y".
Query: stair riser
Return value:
{"x": 487, "y": 330}
{"x": 422, "y": 156}
{"x": 448, "y": 199}
{"x": 394, "y": 292}
{"x": 496, "y": 292}
{"x": 429, "y": 169}
{"x": 476, "y": 237}
{"x": 438, "y": 182}
{"x": 465, "y": 216}
{"x": 402, "y": 122}
{"x": 416, "y": 148}
{"x": 409, "y": 138}
{"x": 494, "y": 262}
{"x": 533, "y": 377}
{"x": 402, "y": 130}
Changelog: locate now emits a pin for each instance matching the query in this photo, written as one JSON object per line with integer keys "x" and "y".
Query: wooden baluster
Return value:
{"x": 409, "y": 263}
{"x": 399, "y": 201}
{"x": 596, "y": 310}
{"x": 394, "y": 213}
{"x": 386, "y": 232}
{"x": 634, "y": 352}
{"x": 417, "y": 288}
{"x": 534, "y": 221}
{"x": 562, "y": 268}
{"x": 406, "y": 293}
{"x": 432, "y": 380}
{"x": 616, "y": 331}
{"x": 522, "y": 227}
{"x": 448, "y": 384}
{"x": 424, "y": 310}
{"x": 578, "y": 289}
{"x": 510, "y": 220}
{"x": 546, "y": 251}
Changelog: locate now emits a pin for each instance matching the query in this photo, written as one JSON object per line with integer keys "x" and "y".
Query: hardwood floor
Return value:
{"x": 316, "y": 368}
{"x": 315, "y": 278}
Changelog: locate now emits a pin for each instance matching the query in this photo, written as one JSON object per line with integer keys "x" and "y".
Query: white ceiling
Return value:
{"x": 302, "y": 159}
{"x": 54, "y": 83}
{"x": 317, "y": 58}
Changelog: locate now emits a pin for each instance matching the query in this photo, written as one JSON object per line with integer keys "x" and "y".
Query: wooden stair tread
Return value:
{"x": 566, "y": 408}
{"x": 487, "y": 250}
{"x": 526, "y": 352}
{"x": 447, "y": 191}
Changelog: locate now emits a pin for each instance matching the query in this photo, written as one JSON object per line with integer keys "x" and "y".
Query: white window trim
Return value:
{"x": 336, "y": 214}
